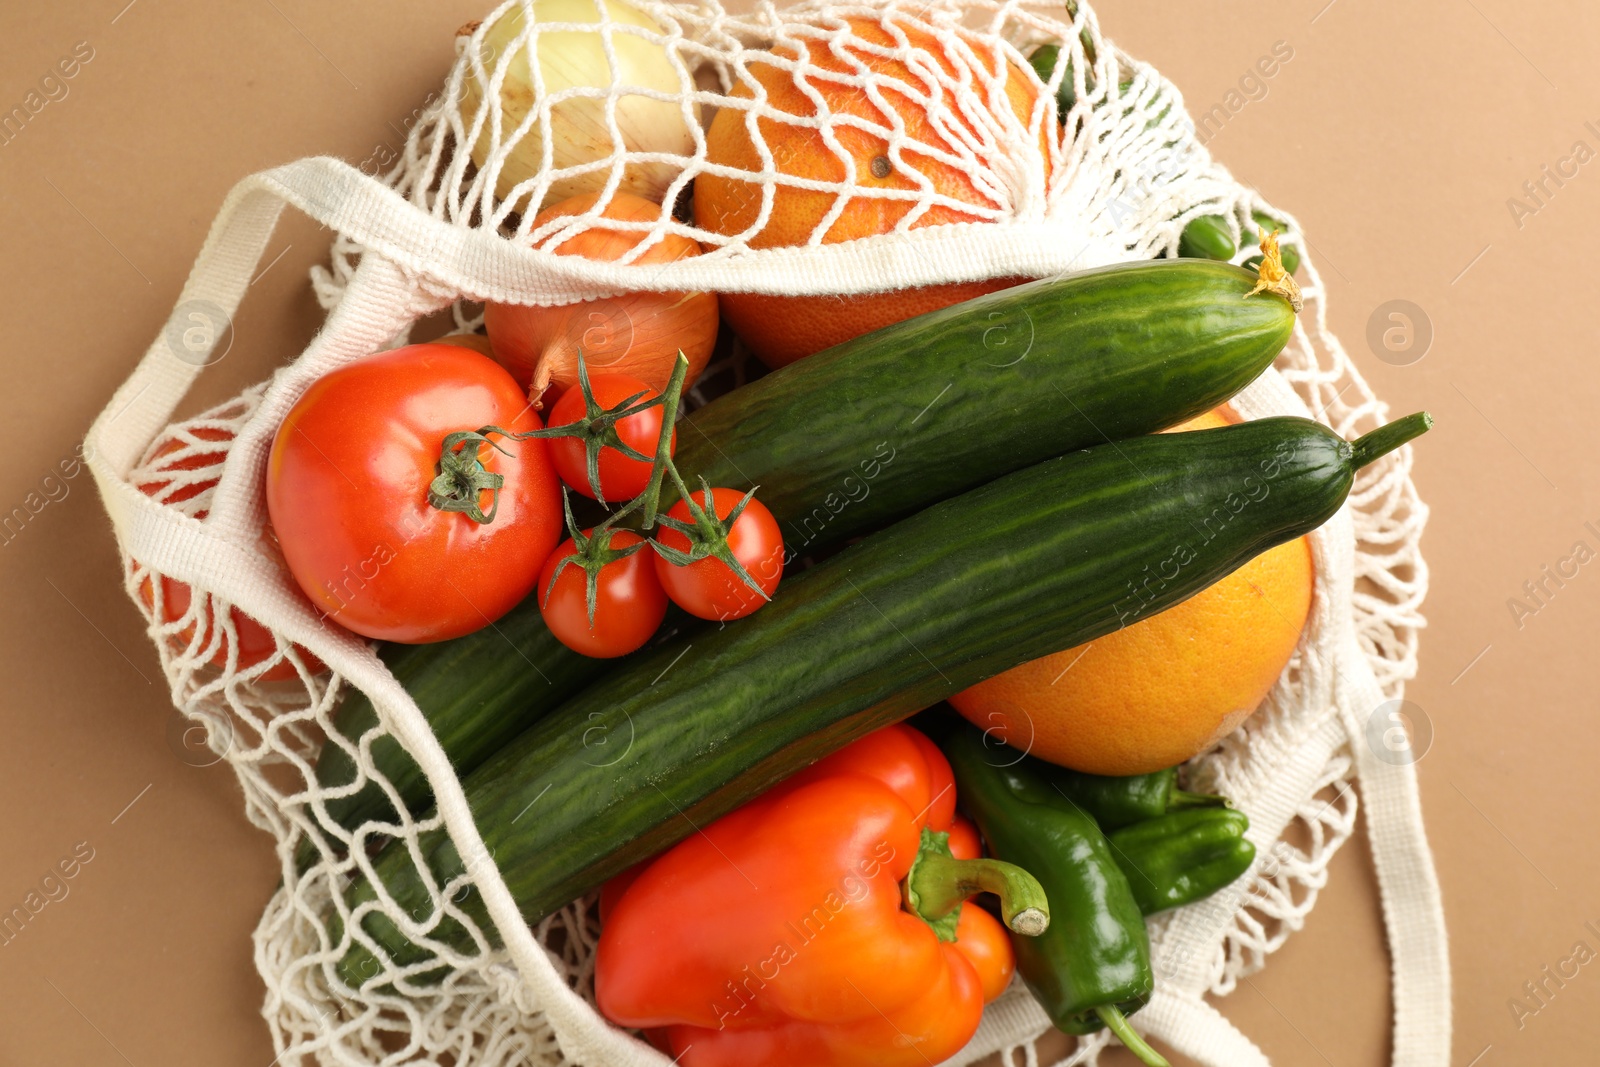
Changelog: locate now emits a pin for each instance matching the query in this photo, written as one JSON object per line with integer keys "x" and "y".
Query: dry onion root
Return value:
{"x": 639, "y": 333}
{"x": 575, "y": 59}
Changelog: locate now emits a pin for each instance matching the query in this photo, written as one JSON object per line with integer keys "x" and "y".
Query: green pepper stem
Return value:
{"x": 1182, "y": 800}
{"x": 938, "y": 884}
{"x": 1117, "y": 1023}
{"x": 1386, "y": 439}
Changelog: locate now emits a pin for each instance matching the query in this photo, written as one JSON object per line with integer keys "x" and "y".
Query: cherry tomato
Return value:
{"x": 253, "y": 643}
{"x": 621, "y": 477}
{"x": 629, "y": 600}
{"x": 350, "y": 487}
{"x": 708, "y": 587}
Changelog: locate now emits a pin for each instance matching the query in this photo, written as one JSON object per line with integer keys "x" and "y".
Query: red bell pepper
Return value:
{"x": 820, "y": 924}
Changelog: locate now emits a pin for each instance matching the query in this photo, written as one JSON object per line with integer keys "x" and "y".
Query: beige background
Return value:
{"x": 1396, "y": 132}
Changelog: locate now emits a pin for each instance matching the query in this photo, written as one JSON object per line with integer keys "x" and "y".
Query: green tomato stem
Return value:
{"x": 663, "y": 457}
{"x": 591, "y": 554}
{"x": 597, "y": 429}
{"x": 462, "y": 476}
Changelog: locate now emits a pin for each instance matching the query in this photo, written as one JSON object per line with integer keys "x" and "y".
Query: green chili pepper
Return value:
{"x": 1116, "y": 802}
{"x": 1091, "y": 968}
{"x": 1043, "y": 62}
{"x": 1207, "y": 237}
{"x": 1182, "y": 856}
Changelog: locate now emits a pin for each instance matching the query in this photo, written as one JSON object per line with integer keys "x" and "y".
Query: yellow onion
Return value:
{"x": 638, "y": 334}
{"x": 475, "y": 341}
{"x": 578, "y": 129}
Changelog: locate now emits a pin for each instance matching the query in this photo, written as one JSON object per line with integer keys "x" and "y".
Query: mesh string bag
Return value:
{"x": 979, "y": 179}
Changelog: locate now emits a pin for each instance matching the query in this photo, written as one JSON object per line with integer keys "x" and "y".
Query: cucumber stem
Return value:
{"x": 1386, "y": 439}
{"x": 938, "y": 883}
{"x": 1117, "y": 1023}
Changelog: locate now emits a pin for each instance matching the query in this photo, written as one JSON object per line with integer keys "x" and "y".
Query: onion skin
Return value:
{"x": 578, "y": 130}
{"x": 639, "y": 333}
{"x": 475, "y": 341}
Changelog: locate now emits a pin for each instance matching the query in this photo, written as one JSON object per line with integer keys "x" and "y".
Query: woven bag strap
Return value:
{"x": 1408, "y": 885}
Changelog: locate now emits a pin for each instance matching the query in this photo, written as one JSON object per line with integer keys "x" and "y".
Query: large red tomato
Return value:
{"x": 352, "y": 484}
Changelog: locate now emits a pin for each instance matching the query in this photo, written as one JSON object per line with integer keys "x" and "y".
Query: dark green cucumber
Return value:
{"x": 1040, "y": 560}
{"x": 468, "y": 688}
{"x": 854, "y": 437}
{"x": 861, "y": 435}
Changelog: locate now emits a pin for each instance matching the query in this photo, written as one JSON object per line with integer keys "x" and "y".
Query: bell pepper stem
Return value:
{"x": 1117, "y": 1023}
{"x": 938, "y": 884}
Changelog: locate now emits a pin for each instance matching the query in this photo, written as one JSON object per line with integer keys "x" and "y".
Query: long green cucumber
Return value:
{"x": 1040, "y": 560}
{"x": 463, "y": 687}
{"x": 851, "y": 438}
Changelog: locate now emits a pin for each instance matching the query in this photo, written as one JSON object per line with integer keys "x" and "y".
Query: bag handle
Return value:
{"x": 485, "y": 266}
{"x": 1199, "y": 1031}
{"x": 214, "y": 289}
{"x": 1408, "y": 885}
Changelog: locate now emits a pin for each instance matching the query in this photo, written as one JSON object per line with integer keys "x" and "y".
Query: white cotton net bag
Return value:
{"x": 932, "y": 123}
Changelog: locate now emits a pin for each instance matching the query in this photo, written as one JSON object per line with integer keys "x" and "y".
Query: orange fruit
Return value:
{"x": 1166, "y": 688}
{"x": 782, "y": 329}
